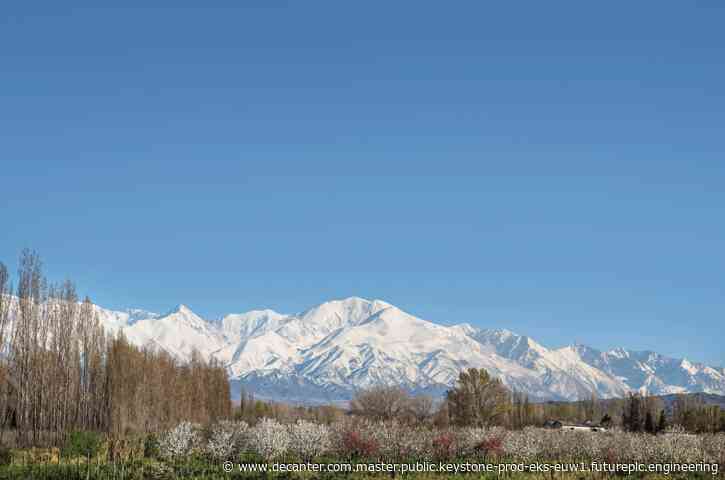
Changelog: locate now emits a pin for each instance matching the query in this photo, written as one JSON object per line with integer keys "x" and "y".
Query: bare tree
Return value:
{"x": 24, "y": 349}
{"x": 421, "y": 408}
{"x": 5, "y": 381}
{"x": 380, "y": 402}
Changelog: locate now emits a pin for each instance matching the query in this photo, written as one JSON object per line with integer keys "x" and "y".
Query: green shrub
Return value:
{"x": 151, "y": 446}
{"x": 82, "y": 443}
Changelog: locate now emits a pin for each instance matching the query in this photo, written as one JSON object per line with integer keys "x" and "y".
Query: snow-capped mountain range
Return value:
{"x": 328, "y": 352}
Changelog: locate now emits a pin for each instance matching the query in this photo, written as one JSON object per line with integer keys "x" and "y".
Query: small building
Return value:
{"x": 583, "y": 428}
{"x": 587, "y": 426}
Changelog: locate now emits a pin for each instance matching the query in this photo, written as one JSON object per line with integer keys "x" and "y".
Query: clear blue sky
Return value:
{"x": 555, "y": 168}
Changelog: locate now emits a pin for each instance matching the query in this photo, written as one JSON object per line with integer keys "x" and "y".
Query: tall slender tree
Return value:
{"x": 60, "y": 371}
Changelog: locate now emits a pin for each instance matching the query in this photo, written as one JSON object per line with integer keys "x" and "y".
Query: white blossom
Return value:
{"x": 226, "y": 439}
{"x": 398, "y": 442}
{"x": 269, "y": 438}
{"x": 308, "y": 439}
{"x": 181, "y": 440}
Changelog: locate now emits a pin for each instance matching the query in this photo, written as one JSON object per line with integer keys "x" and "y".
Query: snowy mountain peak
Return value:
{"x": 136, "y": 314}
{"x": 619, "y": 353}
{"x": 350, "y": 305}
{"x": 360, "y": 303}
{"x": 465, "y": 328}
{"x": 182, "y": 309}
{"x": 327, "y": 352}
{"x": 246, "y": 325}
{"x": 689, "y": 367}
{"x": 183, "y": 315}
{"x": 339, "y": 313}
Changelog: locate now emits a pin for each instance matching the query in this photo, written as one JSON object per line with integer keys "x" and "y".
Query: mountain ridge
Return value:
{"x": 327, "y": 352}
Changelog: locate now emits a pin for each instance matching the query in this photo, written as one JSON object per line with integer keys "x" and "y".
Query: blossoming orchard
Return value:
{"x": 364, "y": 440}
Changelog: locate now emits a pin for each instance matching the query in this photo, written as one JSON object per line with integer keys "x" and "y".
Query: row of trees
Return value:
{"x": 640, "y": 412}
{"x": 60, "y": 371}
{"x": 251, "y": 410}
{"x": 480, "y": 400}
{"x": 695, "y": 416}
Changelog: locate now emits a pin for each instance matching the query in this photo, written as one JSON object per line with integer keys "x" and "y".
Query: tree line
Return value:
{"x": 478, "y": 399}
{"x": 60, "y": 371}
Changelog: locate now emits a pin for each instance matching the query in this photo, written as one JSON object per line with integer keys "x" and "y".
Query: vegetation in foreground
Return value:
{"x": 192, "y": 451}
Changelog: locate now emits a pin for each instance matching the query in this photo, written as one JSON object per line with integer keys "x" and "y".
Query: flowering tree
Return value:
{"x": 308, "y": 439}
{"x": 226, "y": 438}
{"x": 392, "y": 441}
{"x": 269, "y": 438}
{"x": 181, "y": 440}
